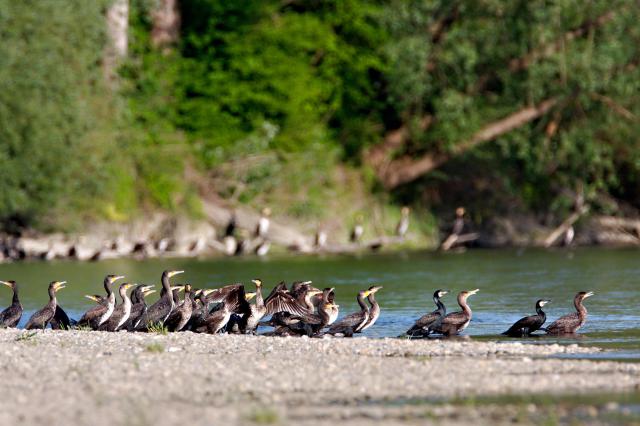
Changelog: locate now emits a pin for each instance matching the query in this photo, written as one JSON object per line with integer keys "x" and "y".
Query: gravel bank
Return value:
{"x": 95, "y": 378}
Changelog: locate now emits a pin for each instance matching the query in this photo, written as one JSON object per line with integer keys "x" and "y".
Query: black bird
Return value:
{"x": 374, "y": 310}
{"x": 569, "y": 324}
{"x": 160, "y": 311}
{"x": 121, "y": 312}
{"x": 10, "y": 317}
{"x": 354, "y": 322}
{"x": 527, "y": 325}
{"x": 182, "y": 313}
{"x": 455, "y": 322}
{"x": 311, "y": 324}
{"x": 41, "y": 318}
{"x": 138, "y": 306}
{"x": 61, "y": 320}
{"x": 97, "y": 315}
{"x": 421, "y": 326}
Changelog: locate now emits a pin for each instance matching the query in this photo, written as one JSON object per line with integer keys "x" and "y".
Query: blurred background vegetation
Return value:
{"x": 316, "y": 107}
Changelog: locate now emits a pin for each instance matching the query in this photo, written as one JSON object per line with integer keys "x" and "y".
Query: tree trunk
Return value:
{"x": 166, "y": 23}
{"x": 407, "y": 169}
{"x": 117, "y": 28}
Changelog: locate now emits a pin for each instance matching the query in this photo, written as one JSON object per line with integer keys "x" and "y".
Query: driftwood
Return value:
{"x": 564, "y": 226}
{"x": 407, "y": 169}
{"x": 454, "y": 239}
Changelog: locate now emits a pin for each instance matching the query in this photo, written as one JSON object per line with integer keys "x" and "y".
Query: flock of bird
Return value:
{"x": 301, "y": 310}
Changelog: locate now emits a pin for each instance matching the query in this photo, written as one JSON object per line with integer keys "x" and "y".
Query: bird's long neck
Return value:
{"x": 111, "y": 296}
{"x": 375, "y": 308}
{"x": 540, "y": 312}
{"x": 53, "y": 302}
{"x": 363, "y": 306}
{"x": 462, "y": 301}
{"x": 441, "y": 308}
{"x": 166, "y": 288}
{"x": 15, "y": 300}
{"x": 259, "y": 298}
{"x": 307, "y": 301}
{"x": 325, "y": 316}
{"x": 582, "y": 311}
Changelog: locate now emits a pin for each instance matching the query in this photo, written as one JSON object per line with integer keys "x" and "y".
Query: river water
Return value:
{"x": 510, "y": 281}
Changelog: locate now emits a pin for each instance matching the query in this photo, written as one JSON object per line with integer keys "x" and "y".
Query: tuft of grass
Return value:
{"x": 264, "y": 416}
{"x": 83, "y": 328}
{"x": 158, "y": 328}
{"x": 26, "y": 337}
{"x": 156, "y": 348}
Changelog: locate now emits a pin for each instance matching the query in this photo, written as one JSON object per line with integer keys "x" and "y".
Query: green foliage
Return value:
{"x": 49, "y": 78}
{"x": 156, "y": 348}
{"x": 273, "y": 102}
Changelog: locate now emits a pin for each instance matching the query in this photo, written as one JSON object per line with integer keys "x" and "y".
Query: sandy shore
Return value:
{"x": 80, "y": 377}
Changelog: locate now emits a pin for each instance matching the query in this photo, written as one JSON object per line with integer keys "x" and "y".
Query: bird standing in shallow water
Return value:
{"x": 570, "y": 323}
{"x": 455, "y": 322}
{"x": 41, "y": 318}
{"x": 10, "y": 317}
{"x": 421, "y": 326}
{"x": 527, "y": 325}
{"x": 374, "y": 310}
{"x": 354, "y": 322}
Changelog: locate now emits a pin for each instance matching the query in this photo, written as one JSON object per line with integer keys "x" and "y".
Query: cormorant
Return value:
{"x": 311, "y": 324}
{"x": 527, "y": 325}
{"x": 97, "y": 315}
{"x": 298, "y": 301}
{"x": 160, "y": 311}
{"x": 121, "y": 312}
{"x": 403, "y": 224}
{"x": 357, "y": 231}
{"x": 352, "y": 323}
{"x": 182, "y": 313}
{"x": 257, "y": 310}
{"x": 61, "y": 320}
{"x": 458, "y": 223}
{"x": 262, "y": 228}
{"x": 455, "y": 322}
{"x": 421, "y": 326}
{"x": 41, "y": 318}
{"x": 138, "y": 306}
{"x": 374, "y": 311}
{"x": 10, "y": 317}
{"x": 570, "y": 323}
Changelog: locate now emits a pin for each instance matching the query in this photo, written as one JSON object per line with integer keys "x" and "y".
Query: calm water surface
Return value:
{"x": 510, "y": 281}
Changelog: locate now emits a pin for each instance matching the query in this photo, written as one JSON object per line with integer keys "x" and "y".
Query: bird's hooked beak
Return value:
{"x": 544, "y": 302}
{"x": 59, "y": 285}
{"x": 306, "y": 282}
{"x": 145, "y": 293}
{"x": 147, "y": 287}
{"x": 129, "y": 285}
{"x": 91, "y": 297}
{"x": 172, "y": 273}
{"x": 177, "y": 287}
{"x": 472, "y": 292}
{"x": 8, "y": 284}
{"x": 375, "y": 289}
{"x": 249, "y": 296}
{"x": 589, "y": 294}
{"x": 116, "y": 278}
{"x": 197, "y": 292}
{"x": 442, "y": 293}
{"x": 257, "y": 282}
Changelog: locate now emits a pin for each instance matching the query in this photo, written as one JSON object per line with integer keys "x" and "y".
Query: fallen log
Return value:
{"x": 564, "y": 226}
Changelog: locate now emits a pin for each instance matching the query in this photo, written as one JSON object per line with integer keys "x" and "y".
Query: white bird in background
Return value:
{"x": 263, "y": 223}
{"x": 569, "y": 236}
{"x": 403, "y": 225}
{"x": 358, "y": 230}
{"x": 321, "y": 238}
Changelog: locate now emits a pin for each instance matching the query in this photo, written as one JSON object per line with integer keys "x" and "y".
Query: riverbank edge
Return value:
{"x": 165, "y": 235}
